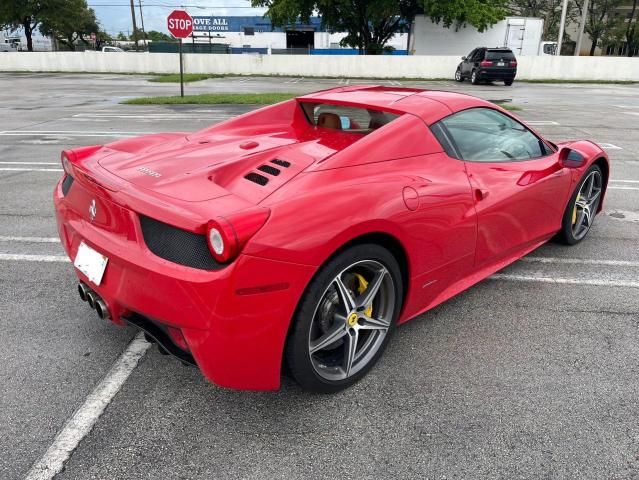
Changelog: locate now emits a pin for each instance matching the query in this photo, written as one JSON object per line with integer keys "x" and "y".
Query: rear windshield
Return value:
{"x": 346, "y": 119}
{"x": 499, "y": 55}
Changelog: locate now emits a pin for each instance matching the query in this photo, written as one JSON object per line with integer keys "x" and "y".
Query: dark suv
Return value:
{"x": 488, "y": 64}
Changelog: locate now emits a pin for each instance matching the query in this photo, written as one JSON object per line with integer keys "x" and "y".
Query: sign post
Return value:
{"x": 180, "y": 24}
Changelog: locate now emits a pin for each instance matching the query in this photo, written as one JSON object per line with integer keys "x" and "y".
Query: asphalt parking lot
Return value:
{"x": 533, "y": 374}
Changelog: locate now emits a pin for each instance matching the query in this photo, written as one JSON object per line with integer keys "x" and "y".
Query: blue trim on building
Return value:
{"x": 217, "y": 24}
{"x": 350, "y": 51}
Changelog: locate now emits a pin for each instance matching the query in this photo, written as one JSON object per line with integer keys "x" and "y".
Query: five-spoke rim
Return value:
{"x": 351, "y": 320}
{"x": 586, "y": 205}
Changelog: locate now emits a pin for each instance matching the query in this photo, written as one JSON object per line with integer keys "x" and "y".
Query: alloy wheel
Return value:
{"x": 586, "y": 204}
{"x": 351, "y": 320}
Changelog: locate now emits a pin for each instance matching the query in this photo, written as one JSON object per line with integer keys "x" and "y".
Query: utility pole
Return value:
{"x": 135, "y": 28}
{"x": 584, "y": 17}
{"x": 562, "y": 26}
{"x": 142, "y": 20}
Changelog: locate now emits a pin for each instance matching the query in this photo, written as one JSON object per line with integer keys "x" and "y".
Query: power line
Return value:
{"x": 166, "y": 6}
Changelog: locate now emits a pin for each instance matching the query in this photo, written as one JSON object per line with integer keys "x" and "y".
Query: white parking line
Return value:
{"x": 624, "y": 181}
{"x": 613, "y": 187}
{"x": 85, "y": 417}
{"x": 563, "y": 281}
{"x": 152, "y": 116}
{"x": 609, "y": 146}
{"x": 30, "y": 239}
{"x": 580, "y": 261}
{"x": 29, "y": 163}
{"x": 33, "y": 258}
{"x": 542, "y": 122}
{"x": 69, "y": 133}
{"x": 15, "y": 169}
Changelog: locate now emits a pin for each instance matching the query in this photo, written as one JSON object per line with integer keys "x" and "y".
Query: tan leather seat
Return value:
{"x": 329, "y": 120}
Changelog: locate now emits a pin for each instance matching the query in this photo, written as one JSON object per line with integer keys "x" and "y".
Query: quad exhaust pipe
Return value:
{"x": 94, "y": 300}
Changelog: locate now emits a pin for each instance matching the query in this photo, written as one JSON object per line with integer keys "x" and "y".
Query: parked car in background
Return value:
{"x": 10, "y": 45}
{"x": 488, "y": 64}
{"x": 112, "y": 49}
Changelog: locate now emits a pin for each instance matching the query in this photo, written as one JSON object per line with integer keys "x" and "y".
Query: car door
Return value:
{"x": 465, "y": 67}
{"x": 519, "y": 186}
{"x": 475, "y": 59}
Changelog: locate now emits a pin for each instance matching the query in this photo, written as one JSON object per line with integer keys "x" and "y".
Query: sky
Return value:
{"x": 115, "y": 15}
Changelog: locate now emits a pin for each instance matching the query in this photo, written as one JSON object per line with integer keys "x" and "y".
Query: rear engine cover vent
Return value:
{"x": 270, "y": 170}
{"x": 177, "y": 245}
{"x": 256, "y": 178}
{"x": 281, "y": 163}
{"x": 66, "y": 184}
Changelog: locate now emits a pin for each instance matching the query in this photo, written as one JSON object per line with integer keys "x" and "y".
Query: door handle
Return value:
{"x": 480, "y": 194}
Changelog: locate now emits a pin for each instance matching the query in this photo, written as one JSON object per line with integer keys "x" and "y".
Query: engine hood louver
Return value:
{"x": 268, "y": 169}
{"x": 281, "y": 163}
{"x": 256, "y": 178}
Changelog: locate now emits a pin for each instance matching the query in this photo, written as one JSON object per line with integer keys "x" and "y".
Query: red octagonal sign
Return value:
{"x": 180, "y": 24}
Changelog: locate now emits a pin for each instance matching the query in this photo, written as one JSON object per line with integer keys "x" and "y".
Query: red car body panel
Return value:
{"x": 451, "y": 222}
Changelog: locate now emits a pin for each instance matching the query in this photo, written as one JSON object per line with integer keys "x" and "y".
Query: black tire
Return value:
{"x": 567, "y": 234}
{"x": 458, "y": 75}
{"x": 298, "y": 354}
{"x": 474, "y": 78}
{"x": 508, "y": 83}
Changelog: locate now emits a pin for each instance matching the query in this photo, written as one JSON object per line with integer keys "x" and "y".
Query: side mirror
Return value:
{"x": 463, "y": 58}
{"x": 569, "y": 158}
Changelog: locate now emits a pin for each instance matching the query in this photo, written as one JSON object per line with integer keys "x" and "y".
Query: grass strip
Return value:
{"x": 188, "y": 77}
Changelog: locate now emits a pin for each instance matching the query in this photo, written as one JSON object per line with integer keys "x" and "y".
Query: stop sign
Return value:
{"x": 180, "y": 24}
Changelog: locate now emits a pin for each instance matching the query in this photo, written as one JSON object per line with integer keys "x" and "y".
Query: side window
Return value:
{"x": 470, "y": 55}
{"x": 486, "y": 135}
{"x": 479, "y": 55}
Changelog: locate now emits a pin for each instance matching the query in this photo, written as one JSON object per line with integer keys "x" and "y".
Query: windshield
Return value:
{"x": 346, "y": 119}
{"x": 499, "y": 55}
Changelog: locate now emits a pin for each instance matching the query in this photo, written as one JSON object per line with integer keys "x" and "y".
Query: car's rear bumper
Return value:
{"x": 497, "y": 74}
{"x": 234, "y": 320}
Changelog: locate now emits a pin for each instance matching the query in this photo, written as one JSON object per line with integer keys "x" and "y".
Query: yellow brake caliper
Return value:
{"x": 363, "y": 285}
{"x": 574, "y": 211}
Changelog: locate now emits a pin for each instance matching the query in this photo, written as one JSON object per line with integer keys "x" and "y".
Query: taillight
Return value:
{"x": 66, "y": 163}
{"x": 513, "y": 63}
{"x": 68, "y": 157}
{"x": 486, "y": 63}
{"x": 226, "y": 236}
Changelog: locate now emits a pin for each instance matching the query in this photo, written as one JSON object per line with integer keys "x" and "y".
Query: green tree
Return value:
{"x": 632, "y": 32}
{"x": 625, "y": 33}
{"x": 600, "y": 19}
{"x": 72, "y": 23}
{"x": 548, "y": 10}
{"x": 369, "y": 24}
{"x": 156, "y": 36}
{"x": 26, "y": 14}
{"x": 122, "y": 37}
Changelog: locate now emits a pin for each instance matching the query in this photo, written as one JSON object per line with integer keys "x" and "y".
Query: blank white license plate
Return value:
{"x": 500, "y": 64}
{"x": 91, "y": 263}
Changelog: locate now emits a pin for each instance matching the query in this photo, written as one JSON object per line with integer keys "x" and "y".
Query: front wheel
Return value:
{"x": 458, "y": 75}
{"x": 582, "y": 208}
{"x": 345, "y": 319}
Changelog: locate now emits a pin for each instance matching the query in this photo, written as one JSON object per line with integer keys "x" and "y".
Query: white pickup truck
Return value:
{"x": 111, "y": 49}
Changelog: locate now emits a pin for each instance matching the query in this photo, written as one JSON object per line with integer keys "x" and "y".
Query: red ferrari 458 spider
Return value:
{"x": 302, "y": 233}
